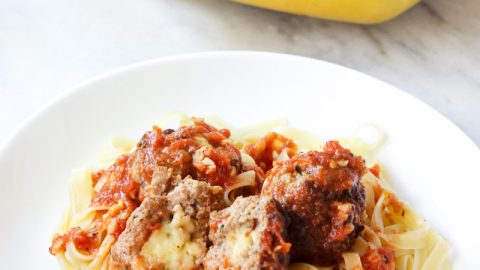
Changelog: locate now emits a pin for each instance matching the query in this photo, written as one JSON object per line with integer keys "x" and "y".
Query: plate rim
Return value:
{"x": 22, "y": 125}
{"x": 242, "y": 57}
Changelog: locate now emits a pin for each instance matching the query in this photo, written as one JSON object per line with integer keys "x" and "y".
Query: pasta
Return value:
{"x": 389, "y": 224}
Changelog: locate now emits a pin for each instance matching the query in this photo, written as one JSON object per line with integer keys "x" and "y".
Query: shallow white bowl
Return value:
{"x": 433, "y": 164}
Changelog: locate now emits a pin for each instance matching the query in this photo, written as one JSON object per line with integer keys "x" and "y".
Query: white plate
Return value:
{"x": 434, "y": 165}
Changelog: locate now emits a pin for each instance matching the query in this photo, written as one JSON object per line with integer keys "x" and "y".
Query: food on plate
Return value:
{"x": 267, "y": 197}
{"x": 250, "y": 234}
{"x": 322, "y": 194}
{"x": 272, "y": 147}
{"x": 169, "y": 231}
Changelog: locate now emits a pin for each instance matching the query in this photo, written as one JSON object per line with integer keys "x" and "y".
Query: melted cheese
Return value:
{"x": 241, "y": 240}
{"x": 173, "y": 244}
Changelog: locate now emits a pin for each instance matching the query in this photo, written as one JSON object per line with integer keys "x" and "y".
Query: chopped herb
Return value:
{"x": 297, "y": 169}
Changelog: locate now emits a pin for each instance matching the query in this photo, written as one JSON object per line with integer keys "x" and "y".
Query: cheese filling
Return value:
{"x": 241, "y": 240}
{"x": 174, "y": 245}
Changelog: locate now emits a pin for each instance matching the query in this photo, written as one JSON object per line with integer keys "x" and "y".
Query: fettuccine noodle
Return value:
{"x": 388, "y": 221}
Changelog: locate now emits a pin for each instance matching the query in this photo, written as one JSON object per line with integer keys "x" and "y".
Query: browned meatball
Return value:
{"x": 322, "y": 194}
{"x": 125, "y": 252}
{"x": 169, "y": 232}
{"x": 198, "y": 150}
{"x": 250, "y": 234}
{"x": 263, "y": 151}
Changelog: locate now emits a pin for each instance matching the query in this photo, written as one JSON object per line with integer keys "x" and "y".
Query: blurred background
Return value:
{"x": 432, "y": 51}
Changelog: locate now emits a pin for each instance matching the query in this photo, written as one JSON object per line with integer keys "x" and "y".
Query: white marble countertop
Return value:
{"x": 46, "y": 47}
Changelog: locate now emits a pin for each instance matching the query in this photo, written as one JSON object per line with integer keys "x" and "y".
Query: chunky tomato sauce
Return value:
{"x": 198, "y": 150}
{"x": 204, "y": 153}
{"x": 379, "y": 259}
{"x": 322, "y": 193}
{"x": 262, "y": 150}
{"x": 81, "y": 239}
{"x": 334, "y": 167}
{"x": 115, "y": 184}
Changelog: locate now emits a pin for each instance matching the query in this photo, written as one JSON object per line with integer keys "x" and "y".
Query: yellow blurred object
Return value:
{"x": 356, "y": 11}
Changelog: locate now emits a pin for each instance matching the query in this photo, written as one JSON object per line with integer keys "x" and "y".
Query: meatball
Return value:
{"x": 169, "y": 232}
{"x": 125, "y": 252}
{"x": 323, "y": 196}
{"x": 198, "y": 150}
{"x": 198, "y": 199}
{"x": 250, "y": 234}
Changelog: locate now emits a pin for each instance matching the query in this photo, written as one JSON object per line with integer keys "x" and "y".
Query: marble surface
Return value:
{"x": 46, "y": 47}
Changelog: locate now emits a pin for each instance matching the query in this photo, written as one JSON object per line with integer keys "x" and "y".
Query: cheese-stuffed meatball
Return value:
{"x": 250, "y": 234}
{"x": 168, "y": 232}
{"x": 322, "y": 194}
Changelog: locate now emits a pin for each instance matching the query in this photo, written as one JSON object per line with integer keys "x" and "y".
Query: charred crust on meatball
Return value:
{"x": 323, "y": 195}
{"x": 250, "y": 234}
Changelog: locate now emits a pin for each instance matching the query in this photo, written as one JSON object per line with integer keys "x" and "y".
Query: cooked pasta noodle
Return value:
{"x": 388, "y": 222}
{"x": 245, "y": 179}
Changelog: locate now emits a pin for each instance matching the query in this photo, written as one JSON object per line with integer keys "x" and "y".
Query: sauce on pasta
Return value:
{"x": 328, "y": 193}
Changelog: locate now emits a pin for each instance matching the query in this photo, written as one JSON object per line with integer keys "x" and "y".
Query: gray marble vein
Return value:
{"x": 432, "y": 51}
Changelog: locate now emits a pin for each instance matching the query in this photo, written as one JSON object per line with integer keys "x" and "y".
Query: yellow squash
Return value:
{"x": 357, "y": 11}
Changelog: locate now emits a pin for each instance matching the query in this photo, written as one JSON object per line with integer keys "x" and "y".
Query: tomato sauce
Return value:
{"x": 122, "y": 183}
{"x": 379, "y": 259}
{"x": 87, "y": 241}
{"x": 375, "y": 170}
{"x": 262, "y": 150}
{"x": 116, "y": 184}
